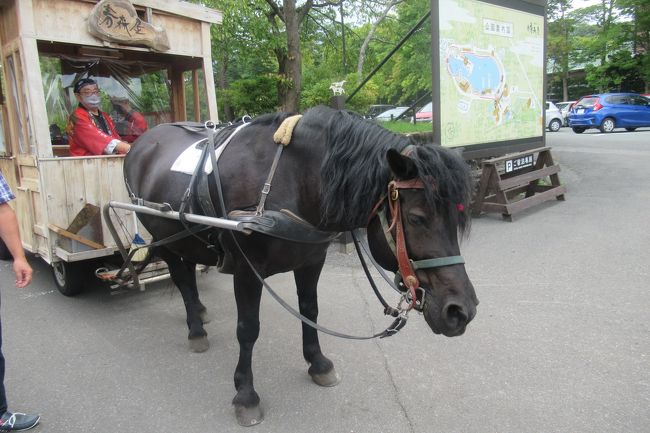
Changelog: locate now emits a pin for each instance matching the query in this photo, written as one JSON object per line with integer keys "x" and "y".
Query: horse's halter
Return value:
{"x": 407, "y": 267}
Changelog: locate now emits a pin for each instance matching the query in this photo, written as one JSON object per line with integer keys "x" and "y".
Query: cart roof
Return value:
{"x": 172, "y": 7}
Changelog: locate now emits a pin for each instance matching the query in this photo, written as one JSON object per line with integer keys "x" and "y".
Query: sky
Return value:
{"x": 577, "y": 4}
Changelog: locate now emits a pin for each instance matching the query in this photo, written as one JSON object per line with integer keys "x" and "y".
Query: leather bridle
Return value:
{"x": 406, "y": 267}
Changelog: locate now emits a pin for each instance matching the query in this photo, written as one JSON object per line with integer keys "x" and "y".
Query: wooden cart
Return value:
{"x": 134, "y": 49}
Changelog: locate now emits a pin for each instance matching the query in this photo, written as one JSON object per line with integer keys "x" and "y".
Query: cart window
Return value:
{"x": 129, "y": 90}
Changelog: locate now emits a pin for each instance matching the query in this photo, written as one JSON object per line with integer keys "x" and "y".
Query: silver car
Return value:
{"x": 391, "y": 114}
{"x": 554, "y": 119}
{"x": 564, "y": 107}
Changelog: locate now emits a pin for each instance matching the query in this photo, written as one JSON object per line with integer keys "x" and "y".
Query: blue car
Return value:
{"x": 607, "y": 111}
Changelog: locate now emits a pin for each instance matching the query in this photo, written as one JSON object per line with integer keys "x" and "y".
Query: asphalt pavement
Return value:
{"x": 559, "y": 344}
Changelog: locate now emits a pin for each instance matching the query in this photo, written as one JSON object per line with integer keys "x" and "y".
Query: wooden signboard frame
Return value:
{"x": 515, "y": 182}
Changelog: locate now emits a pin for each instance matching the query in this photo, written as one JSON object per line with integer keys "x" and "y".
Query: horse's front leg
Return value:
{"x": 321, "y": 369}
{"x": 200, "y": 308}
{"x": 183, "y": 274}
{"x": 248, "y": 291}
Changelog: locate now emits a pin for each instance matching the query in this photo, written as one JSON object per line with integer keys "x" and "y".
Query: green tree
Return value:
{"x": 606, "y": 47}
{"x": 559, "y": 41}
{"x": 241, "y": 48}
{"x": 639, "y": 13}
{"x": 408, "y": 74}
{"x": 286, "y": 20}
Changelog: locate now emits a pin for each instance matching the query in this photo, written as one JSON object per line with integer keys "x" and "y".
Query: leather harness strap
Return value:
{"x": 266, "y": 189}
{"x": 405, "y": 269}
{"x": 282, "y": 137}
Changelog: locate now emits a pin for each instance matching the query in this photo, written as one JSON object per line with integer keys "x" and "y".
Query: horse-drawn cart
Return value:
{"x": 154, "y": 54}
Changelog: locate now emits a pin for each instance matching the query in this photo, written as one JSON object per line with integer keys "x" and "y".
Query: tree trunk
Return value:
{"x": 289, "y": 64}
{"x": 366, "y": 41}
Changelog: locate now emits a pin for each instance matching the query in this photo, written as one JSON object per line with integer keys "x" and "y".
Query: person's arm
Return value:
{"x": 10, "y": 234}
{"x": 118, "y": 145}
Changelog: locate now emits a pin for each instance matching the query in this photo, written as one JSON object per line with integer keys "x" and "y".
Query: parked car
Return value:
{"x": 564, "y": 108}
{"x": 607, "y": 111}
{"x": 391, "y": 114}
{"x": 554, "y": 118}
{"x": 374, "y": 110}
{"x": 425, "y": 114}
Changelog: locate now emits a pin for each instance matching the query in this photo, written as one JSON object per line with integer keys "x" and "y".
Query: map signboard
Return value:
{"x": 491, "y": 72}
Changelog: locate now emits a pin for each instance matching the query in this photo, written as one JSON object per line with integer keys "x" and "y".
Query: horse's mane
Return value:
{"x": 274, "y": 119}
{"x": 355, "y": 171}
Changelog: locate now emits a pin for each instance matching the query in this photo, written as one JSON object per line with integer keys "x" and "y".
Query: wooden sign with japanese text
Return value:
{"x": 118, "y": 21}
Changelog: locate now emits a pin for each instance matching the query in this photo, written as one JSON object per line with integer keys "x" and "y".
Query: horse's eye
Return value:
{"x": 417, "y": 219}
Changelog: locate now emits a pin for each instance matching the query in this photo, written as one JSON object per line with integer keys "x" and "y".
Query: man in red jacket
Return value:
{"x": 91, "y": 131}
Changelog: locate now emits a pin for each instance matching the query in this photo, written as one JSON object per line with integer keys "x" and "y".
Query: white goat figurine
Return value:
{"x": 337, "y": 88}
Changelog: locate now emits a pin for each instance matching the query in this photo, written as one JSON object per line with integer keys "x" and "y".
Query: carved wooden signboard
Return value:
{"x": 117, "y": 21}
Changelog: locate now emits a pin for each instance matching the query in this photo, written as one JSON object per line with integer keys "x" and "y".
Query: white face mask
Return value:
{"x": 91, "y": 101}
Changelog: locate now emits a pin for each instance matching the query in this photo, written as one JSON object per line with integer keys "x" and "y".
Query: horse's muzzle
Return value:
{"x": 450, "y": 318}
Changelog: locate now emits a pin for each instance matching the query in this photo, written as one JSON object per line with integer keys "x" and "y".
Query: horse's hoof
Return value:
{"x": 200, "y": 344}
{"x": 331, "y": 378}
{"x": 205, "y": 317}
{"x": 248, "y": 416}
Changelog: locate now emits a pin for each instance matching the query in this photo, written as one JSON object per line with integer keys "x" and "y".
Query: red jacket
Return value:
{"x": 86, "y": 138}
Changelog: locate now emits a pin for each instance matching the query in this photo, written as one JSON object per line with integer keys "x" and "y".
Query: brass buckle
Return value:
{"x": 394, "y": 192}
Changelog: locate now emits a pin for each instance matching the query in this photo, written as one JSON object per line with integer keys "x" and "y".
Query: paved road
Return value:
{"x": 560, "y": 342}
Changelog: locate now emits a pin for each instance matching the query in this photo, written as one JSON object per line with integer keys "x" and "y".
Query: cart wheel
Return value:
{"x": 5, "y": 254}
{"x": 68, "y": 277}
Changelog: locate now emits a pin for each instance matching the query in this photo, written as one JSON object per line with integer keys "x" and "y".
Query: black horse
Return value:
{"x": 335, "y": 175}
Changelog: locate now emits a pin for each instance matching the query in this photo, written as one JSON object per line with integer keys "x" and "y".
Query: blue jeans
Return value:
{"x": 3, "y": 397}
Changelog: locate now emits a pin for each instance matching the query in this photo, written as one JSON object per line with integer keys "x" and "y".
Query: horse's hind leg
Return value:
{"x": 321, "y": 369}
{"x": 183, "y": 274}
{"x": 248, "y": 291}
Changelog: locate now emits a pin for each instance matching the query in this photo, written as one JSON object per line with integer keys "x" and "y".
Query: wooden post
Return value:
{"x": 197, "y": 96}
{"x": 337, "y": 102}
{"x": 210, "y": 92}
{"x": 178, "y": 91}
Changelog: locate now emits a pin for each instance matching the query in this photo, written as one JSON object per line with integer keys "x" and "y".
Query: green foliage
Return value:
{"x": 252, "y": 96}
{"x": 600, "y": 38}
{"x": 610, "y": 40}
{"x": 621, "y": 72}
{"x": 155, "y": 93}
{"x": 244, "y": 49}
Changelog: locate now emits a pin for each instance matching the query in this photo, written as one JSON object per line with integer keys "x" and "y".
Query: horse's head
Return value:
{"x": 425, "y": 208}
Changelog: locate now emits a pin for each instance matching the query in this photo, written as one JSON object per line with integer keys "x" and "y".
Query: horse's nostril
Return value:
{"x": 454, "y": 316}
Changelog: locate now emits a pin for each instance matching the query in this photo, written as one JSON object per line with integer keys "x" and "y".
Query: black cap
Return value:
{"x": 83, "y": 82}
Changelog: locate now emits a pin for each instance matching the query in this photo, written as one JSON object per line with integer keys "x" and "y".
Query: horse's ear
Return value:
{"x": 402, "y": 166}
